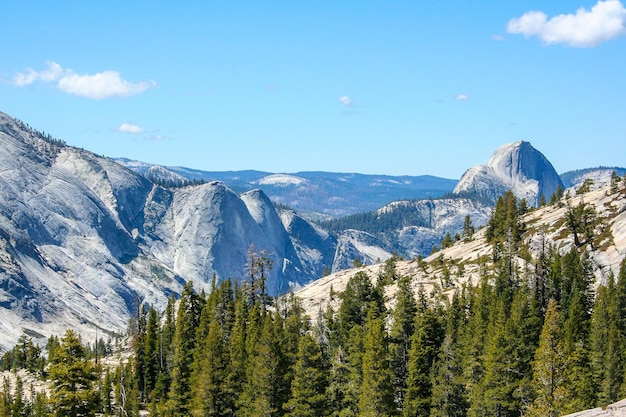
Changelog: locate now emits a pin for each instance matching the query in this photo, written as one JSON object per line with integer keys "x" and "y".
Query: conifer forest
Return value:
{"x": 545, "y": 343}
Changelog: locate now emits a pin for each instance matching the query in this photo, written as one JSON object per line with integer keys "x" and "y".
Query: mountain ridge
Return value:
{"x": 84, "y": 240}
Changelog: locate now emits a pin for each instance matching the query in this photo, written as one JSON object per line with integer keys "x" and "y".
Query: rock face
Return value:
{"x": 614, "y": 410}
{"x": 517, "y": 167}
{"x": 318, "y": 194}
{"x": 84, "y": 240}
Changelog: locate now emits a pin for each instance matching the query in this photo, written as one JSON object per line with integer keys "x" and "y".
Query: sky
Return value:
{"x": 373, "y": 87}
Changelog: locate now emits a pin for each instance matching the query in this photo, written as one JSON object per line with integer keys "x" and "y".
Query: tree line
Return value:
{"x": 532, "y": 341}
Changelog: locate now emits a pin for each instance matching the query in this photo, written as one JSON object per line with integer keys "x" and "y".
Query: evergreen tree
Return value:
{"x": 403, "y": 327}
{"x": 448, "y": 390}
{"x": 447, "y": 241}
{"x": 166, "y": 352}
{"x": 376, "y": 394}
{"x": 495, "y": 398}
{"x": 238, "y": 355}
{"x": 577, "y": 298}
{"x": 73, "y": 377}
{"x": 308, "y": 388}
{"x": 425, "y": 347}
{"x": 263, "y": 382}
{"x": 209, "y": 390}
{"x": 107, "y": 386}
{"x": 355, "y": 302}
{"x": 187, "y": 319}
{"x": 620, "y": 295}
{"x": 338, "y": 392}
{"x": 505, "y": 224}
{"x": 549, "y": 367}
{"x": 20, "y": 407}
{"x": 151, "y": 354}
{"x": 40, "y": 405}
{"x": 468, "y": 228}
{"x": 6, "y": 398}
{"x": 557, "y": 195}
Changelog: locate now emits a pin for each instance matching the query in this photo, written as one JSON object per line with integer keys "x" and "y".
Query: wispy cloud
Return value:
{"x": 97, "y": 86}
{"x": 346, "y": 101}
{"x": 587, "y": 28}
{"x": 498, "y": 38}
{"x": 130, "y": 128}
{"x": 155, "y": 137}
{"x": 461, "y": 97}
{"x": 52, "y": 73}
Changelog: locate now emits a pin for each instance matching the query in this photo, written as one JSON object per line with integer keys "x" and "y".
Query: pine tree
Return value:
{"x": 6, "y": 398}
{"x": 166, "y": 352}
{"x": 495, "y": 398}
{"x": 151, "y": 354}
{"x": 549, "y": 367}
{"x": 425, "y": 347}
{"x": 376, "y": 394}
{"x": 19, "y": 408}
{"x": 187, "y": 319}
{"x": 308, "y": 388}
{"x": 448, "y": 390}
{"x": 107, "y": 386}
{"x": 40, "y": 405}
{"x": 355, "y": 302}
{"x": 468, "y": 229}
{"x": 238, "y": 355}
{"x": 73, "y": 377}
{"x": 403, "y": 327}
{"x": 259, "y": 396}
{"x": 209, "y": 390}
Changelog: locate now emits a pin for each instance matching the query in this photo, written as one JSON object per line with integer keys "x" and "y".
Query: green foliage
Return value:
{"x": 355, "y": 302}
{"x": 582, "y": 221}
{"x": 402, "y": 329}
{"x": 549, "y": 368}
{"x": 520, "y": 342}
{"x": 73, "y": 392}
{"x": 403, "y": 214}
{"x": 308, "y": 388}
{"x": 447, "y": 241}
{"x": 505, "y": 227}
{"x": 24, "y": 355}
{"x": 187, "y": 320}
{"x": 376, "y": 395}
{"x": 425, "y": 345}
{"x": 585, "y": 187}
{"x": 556, "y": 196}
{"x": 468, "y": 229}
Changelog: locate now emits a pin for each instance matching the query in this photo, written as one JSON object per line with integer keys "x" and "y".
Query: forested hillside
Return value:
{"x": 535, "y": 334}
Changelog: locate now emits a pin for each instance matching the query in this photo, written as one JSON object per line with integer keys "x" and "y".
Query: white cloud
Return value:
{"x": 498, "y": 38}
{"x": 102, "y": 85}
{"x": 97, "y": 86}
{"x": 346, "y": 101}
{"x": 461, "y": 97}
{"x": 52, "y": 73}
{"x": 130, "y": 128}
{"x": 605, "y": 21}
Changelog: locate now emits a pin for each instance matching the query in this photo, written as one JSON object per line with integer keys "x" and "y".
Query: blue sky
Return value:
{"x": 395, "y": 87}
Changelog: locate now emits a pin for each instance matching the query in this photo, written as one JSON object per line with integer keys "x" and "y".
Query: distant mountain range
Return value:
{"x": 84, "y": 239}
{"x": 314, "y": 194}
{"x": 324, "y": 195}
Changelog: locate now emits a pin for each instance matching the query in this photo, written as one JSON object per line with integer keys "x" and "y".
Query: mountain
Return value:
{"x": 599, "y": 175}
{"x": 412, "y": 228}
{"x": 467, "y": 259}
{"x": 84, "y": 240}
{"x": 517, "y": 167}
{"x": 317, "y": 195}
